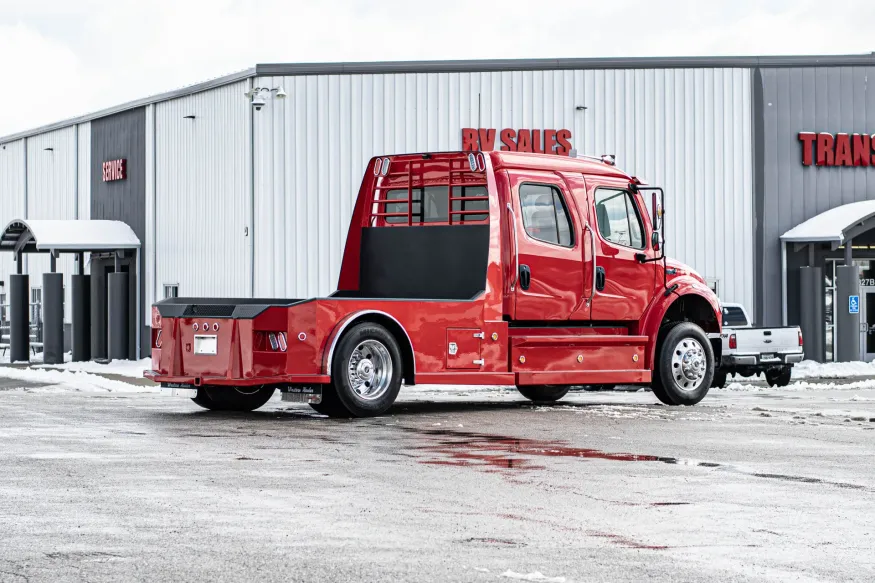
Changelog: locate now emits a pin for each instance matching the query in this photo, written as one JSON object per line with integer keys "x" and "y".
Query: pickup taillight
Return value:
{"x": 733, "y": 341}
{"x": 800, "y": 337}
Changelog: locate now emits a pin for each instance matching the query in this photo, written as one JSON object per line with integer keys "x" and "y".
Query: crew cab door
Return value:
{"x": 624, "y": 284}
{"x": 547, "y": 240}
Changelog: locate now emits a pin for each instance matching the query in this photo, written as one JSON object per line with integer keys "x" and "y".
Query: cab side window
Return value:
{"x": 545, "y": 216}
{"x": 618, "y": 219}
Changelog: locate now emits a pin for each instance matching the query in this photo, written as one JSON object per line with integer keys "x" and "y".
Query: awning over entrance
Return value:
{"x": 834, "y": 226}
{"x": 29, "y": 236}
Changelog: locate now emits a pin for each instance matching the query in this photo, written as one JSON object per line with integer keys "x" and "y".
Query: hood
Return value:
{"x": 676, "y": 269}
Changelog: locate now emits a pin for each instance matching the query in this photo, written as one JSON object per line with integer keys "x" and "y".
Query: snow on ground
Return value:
{"x": 66, "y": 380}
{"x": 832, "y": 370}
{"x": 125, "y": 368}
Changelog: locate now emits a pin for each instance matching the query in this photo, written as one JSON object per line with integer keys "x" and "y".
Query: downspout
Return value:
{"x": 783, "y": 283}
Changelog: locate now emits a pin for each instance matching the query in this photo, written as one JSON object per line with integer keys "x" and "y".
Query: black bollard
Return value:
{"x": 53, "y": 318}
{"x": 19, "y": 317}
{"x": 117, "y": 315}
{"x": 81, "y": 316}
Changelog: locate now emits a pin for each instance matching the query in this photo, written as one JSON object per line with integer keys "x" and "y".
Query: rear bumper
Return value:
{"x": 779, "y": 359}
{"x": 195, "y": 381}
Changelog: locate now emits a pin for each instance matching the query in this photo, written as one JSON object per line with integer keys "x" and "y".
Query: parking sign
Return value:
{"x": 853, "y": 304}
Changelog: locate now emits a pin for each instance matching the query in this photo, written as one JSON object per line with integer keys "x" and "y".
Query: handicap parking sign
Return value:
{"x": 853, "y": 304}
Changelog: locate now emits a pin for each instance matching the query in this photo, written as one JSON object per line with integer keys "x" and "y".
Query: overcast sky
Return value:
{"x": 61, "y": 58}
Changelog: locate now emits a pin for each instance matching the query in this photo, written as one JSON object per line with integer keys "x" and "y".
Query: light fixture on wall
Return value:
{"x": 258, "y": 95}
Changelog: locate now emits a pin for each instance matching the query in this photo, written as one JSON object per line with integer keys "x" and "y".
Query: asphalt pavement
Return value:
{"x": 458, "y": 485}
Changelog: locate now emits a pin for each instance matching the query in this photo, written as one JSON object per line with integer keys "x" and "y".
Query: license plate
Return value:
{"x": 206, "y": 344}
{"x": 302, "y": 394}
{"x": 768, "y": 356}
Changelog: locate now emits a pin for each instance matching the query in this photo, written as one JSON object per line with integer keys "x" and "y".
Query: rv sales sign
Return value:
{"x": 517, "y": 140}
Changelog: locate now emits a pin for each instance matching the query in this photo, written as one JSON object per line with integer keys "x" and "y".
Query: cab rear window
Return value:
{"x": 430, "y": 204}
{"x": 734, "y": 316}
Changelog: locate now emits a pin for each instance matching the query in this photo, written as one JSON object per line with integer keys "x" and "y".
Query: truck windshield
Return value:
{"x": 430, "y": 204}
{"x": 733, "y": 316}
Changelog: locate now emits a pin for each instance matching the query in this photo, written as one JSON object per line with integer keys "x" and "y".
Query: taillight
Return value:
{"x": 271, "y": 341}
{"x": 733, "y": 342}
{"x": 158, "y": 340}
{"x": 800, "y": 337}
{"x": 156, "y": 318}
{"x": 281, "y": 338}
{"x": 274, "y": 344}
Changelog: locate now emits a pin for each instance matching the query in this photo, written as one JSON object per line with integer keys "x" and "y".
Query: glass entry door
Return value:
{"x": 867, "y": 324}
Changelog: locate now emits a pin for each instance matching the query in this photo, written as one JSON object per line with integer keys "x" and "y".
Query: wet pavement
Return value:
{"x": 459, "y": 485}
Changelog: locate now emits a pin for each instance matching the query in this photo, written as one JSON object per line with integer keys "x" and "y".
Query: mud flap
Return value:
{"x": 311, "y": 394}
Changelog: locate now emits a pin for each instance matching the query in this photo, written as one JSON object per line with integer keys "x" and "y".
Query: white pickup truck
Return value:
{"x": 748, "y": 351}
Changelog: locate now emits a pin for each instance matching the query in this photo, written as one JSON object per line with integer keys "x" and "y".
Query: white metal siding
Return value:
{"x": 51, "y": 194}
{"x": 202, "y": 184}
{"x": 148, "y": 260}
{"x": 84, "y": 192}
{"x": 11, "y": 197}
{"x": 685, "y": 129}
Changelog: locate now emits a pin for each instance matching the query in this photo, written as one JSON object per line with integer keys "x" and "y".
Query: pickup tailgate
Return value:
{"x": 765, "y": 340}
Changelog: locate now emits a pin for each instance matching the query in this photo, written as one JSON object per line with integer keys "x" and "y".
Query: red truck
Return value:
{"x": 499, "y": 268}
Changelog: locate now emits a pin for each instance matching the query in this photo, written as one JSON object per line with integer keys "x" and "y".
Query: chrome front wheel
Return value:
{"x": 688, "y": 364}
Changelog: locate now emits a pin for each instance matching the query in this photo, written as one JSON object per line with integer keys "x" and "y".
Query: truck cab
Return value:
{"x": 538, "y": 271}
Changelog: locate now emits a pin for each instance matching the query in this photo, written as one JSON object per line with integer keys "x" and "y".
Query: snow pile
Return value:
{"x": 805, "y": 386}
{"x": 832, "y": 370}
{"x": 125, "y": 368}
{"x": 64, "y": 380}
{"x": 536, "y": 576}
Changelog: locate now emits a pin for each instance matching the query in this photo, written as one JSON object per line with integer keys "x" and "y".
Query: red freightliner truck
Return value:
{"x": 498, "y": 268}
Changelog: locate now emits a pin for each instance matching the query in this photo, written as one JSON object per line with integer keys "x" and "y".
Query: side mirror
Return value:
{"x": 657, "y": 211}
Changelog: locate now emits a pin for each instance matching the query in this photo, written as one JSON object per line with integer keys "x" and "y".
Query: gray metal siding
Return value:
{"x": 686, "y": 129}
{"x": 823, "y": 99}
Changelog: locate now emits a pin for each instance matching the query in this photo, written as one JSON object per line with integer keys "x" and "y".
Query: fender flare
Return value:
{"x": 346, "y": 322}
{"x": 687, "y": 286}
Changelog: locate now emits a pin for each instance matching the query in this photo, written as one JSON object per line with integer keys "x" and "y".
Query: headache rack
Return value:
{"x": 420, "y": 179}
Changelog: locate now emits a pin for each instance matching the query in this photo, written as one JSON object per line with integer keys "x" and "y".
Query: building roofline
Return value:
{"x": 489, "y": 65}
{"x": 181, "y": 92}
{"x": 464, "y": 66}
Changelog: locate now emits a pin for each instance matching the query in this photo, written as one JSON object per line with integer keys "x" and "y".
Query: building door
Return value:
{"x": 867, "y": 324}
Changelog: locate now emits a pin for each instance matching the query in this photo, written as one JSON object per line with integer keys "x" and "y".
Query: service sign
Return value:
{"x": 825, "y": 149}
{"x": 517, "y": 140}
{"x": 115, "y": 170}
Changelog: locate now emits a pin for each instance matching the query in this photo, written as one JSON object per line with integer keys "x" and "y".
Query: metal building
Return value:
{"x": 233, "y": 200}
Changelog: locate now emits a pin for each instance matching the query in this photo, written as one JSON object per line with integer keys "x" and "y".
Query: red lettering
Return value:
{"x": 537, "y": 147}
{"x": 872, "y": 141}
{"x": 861, "y": 150}
{"x": 563, "y": 137}
{"x": 469, "y": 140}
{"x": 825, "y": 153}
{"x": 507, "y": 140}
{"x": 549, "y": 141}
{"x": 524, "y": 141}
{"x": 807, "y": 139}
{"x": 123, "y": 169}
{"x": 487, "y": 140}
{"x": 843, "y": 151}
{"x": 104, "y": 171}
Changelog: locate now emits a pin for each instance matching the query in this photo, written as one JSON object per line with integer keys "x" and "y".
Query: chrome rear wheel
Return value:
{"x": 369, "y": 370}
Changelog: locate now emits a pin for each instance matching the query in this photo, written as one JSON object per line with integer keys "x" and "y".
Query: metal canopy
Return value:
{"x": 835, "y": 226}
{"x": 67, "y": 236}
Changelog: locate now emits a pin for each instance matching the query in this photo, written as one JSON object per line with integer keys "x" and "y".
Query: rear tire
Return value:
{"x": 543, "y": 393}
{"x": 366, "y": 373}
{"x": 781, "y": 378}
{"x": 684, "y": 365}
{"x": 233, "y": 398}
{"x": 719, "y": 380}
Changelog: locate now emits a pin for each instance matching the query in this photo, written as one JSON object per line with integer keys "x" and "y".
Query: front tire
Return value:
{"x": 366, "y": 373}
{"x": 684, "y": 365}
{"x": 543, "y": 393}
{"x": 233, "y": 398}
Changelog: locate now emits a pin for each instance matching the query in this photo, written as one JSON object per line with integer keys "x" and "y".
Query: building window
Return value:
{"x": 617, "y": 217}
{"x": 714, "y": 284}
{"x": 171, "y": 290}
{"x": 545, "y": 217}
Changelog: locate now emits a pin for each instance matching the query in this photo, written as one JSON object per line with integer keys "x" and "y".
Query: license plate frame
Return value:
{"x": 206, "y": 344}
{"x": 768, "y": 356}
